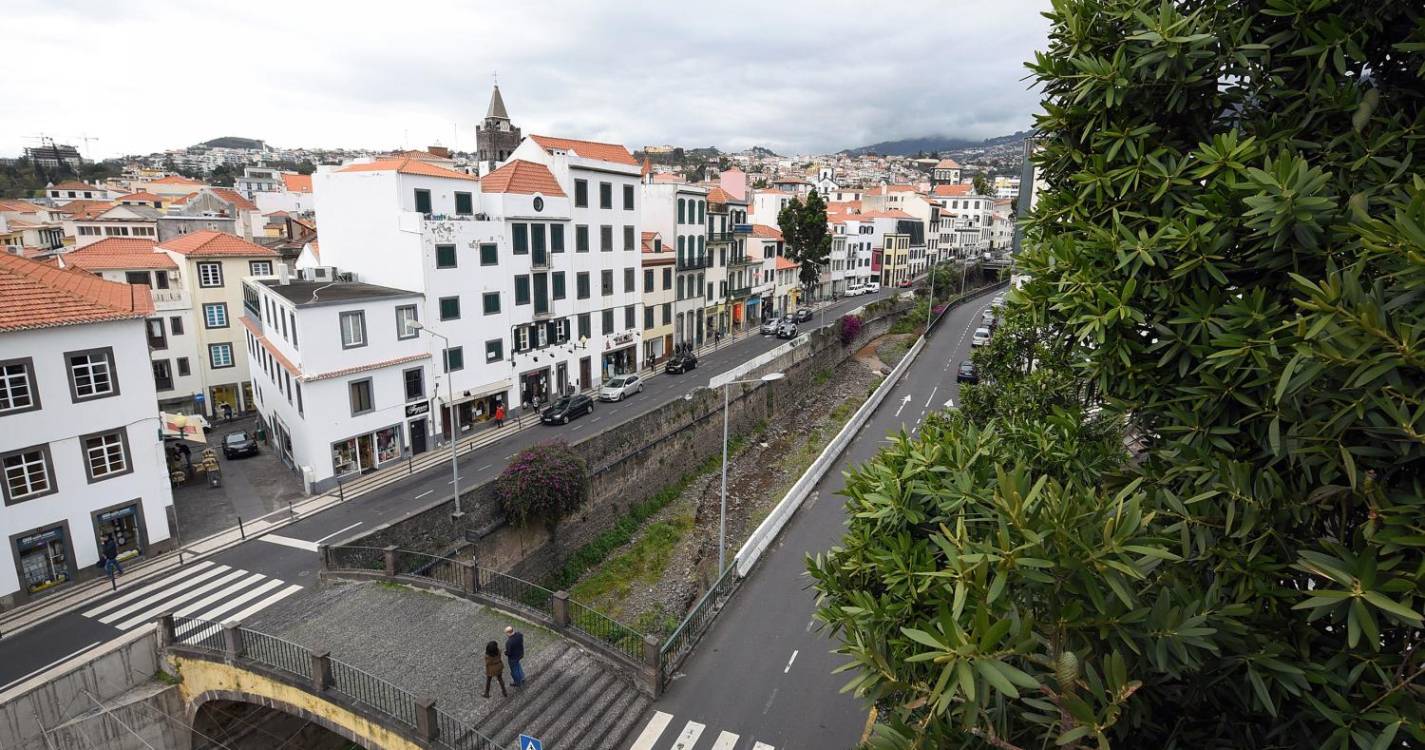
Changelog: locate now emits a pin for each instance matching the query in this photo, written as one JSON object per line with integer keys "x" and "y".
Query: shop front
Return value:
{"x": 125, "y": 523}
{"x": 621, "y": 357}
{"x": 368, "y": 452}
{"x": 754, "y": 309}
{"x": 418, "y": 425}
{"x": 535, "y": 387}
{"x": 739, "y": 315}
{"x": 43, "y": 558}
{"x": 475, "y": 408}
{"x": 653, "y": 350}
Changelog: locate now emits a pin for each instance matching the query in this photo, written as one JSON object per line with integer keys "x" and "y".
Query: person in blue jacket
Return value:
{"x": 514, "y": 652}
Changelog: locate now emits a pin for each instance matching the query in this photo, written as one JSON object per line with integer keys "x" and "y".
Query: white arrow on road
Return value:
{"x": 950, "y": 403}
{"x": 904, "y": 401}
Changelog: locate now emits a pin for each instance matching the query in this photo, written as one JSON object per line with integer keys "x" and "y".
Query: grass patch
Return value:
{"x": 642, "y": 563}
{"x": 821, "y": 377}
{"x": 166, "y": 678}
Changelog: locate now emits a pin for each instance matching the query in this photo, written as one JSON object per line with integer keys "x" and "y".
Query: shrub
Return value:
{"x": 542, "y": 484}
{"x": 850, "y": 328}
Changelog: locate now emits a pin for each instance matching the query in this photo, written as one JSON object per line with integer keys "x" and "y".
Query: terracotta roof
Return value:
{"x": 139, "y": 196}
{"x": 262, "y": 340}
{"x": 894, "y": 213}
{"x": 668, "y": 178}
{"x": 368, "y": 366}
{"x": 20, "y": 207}
{"x": 176, "y": 179}
{"x": 762, "y": 230}
{"x": 408, "y": 166}
{"x": 647, "y": 167}
{"x": 520, "y": 176}
{"x": 182, "y": 199}
{"x": 233, "y": 197}
{"x": 316, "y": 250}
{"x": 951, "y": 191}
{"x": 418, "y": 154}
{"x": 37, "y": 295}
{"x": 72, "y": 185}
{"x": 85, "y": 209}
{"x": 207, "y": 243}
{"x": 112, "y": 253}
{"x": 648, "y": 238}
{"x": 297, "y": 183}
{"x": 588, "y": 149}
{"x": 947, "y": 164}
{"x": 784, "y": 264}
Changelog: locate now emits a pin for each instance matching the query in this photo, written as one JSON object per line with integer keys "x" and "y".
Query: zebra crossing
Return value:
{"x": 203, "y": 590}
{"x": 688, "y": 737}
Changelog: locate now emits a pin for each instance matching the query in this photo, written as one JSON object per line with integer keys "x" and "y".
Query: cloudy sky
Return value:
{"x": 799, "y": 77}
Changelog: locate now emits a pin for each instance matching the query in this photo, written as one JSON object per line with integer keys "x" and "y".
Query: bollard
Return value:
{"x": 232, "y": 640}
{"x": 321, "y": 670}
{"x": 390, "y": 560}
{"x": 560, "y": 600}
{"x": 427, "y": 728}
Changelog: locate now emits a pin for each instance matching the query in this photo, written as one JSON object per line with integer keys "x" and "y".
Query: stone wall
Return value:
{"x": 628, "y": 463}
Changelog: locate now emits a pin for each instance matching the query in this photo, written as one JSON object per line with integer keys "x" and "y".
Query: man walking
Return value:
{"x": 111, "y": 558}
{"x": 514, "y": 652}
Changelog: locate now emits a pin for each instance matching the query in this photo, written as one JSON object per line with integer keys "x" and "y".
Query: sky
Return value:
{"x": 798, "y": 77}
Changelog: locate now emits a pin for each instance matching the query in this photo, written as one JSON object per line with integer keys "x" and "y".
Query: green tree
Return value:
{"x": 808, "y": 241}
{"x": 1226, "y": 260}
{"x": 981, "y": 184}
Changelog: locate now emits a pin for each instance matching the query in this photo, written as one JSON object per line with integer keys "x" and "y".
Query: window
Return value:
{"x": 606, "y": 278}
{"x": 489, "y": 254}
{"x": 298, "y": 386}
{"x": 183, "y": 368}
{"x": 175, "y": 325}
{"x": 210, "y": 275}
{"x": 538, "y": 203}
{"x": 136, "y": 277}
{"x": 630, "y": 316}
{"x": 584, "y": 325}
{"x": 360, "y": 391}
{"x": 536, "y": 236}
{"x": 91, "y": 374}
{"x": 162, "y": 375}
{"x": 608, "y": 321}
{"x": 494, "y": 350}
{"x": 628, "y": 197}
{"x": 606, "y": 195}
{"x": 27, "y": 474}
{"x": 581, "y": 193}
{"x": 405, "y": 316}
{"x": 491, "y": 302}
{"x": 681, "y": 204}
{"x": 454, "y": 359}
{"x": 647, "y": 318}
{"x": 215, "y": 315}
{"x": 521, "y": 238}
{"x": 667, "y": 313}
{"x": 628, "y": 241}
{"x": 702, "y": 212}
{"x": 422, "y": 201}
{"x": 220, "y": 355}
{"x": 445, "y": 256}
{"x": 630, "y": 283}
{"x": 415, "y": 383}
{"x": 606, "y": 238}
{"x": 680, "y": 287}
{"x": 581, "y": 285}
{"x": 648, "y": 279}
{"x": 106, "y": 455}
{"x": 521, "y": 339}
{"x": 17, "y": 386}
{"x": 353, "y": 329}
{"x": 581, "y": 238}
{"x": 259, "y": 268}
{"x": 557, "y": 281}
{"x": 449, "y": 308}
{"x": 667, "y": 279}
{"x": 556, "y": 238}
{"x": 522, "y": 289}
{"x": 464, "y": 205}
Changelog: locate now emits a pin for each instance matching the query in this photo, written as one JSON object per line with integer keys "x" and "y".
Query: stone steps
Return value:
{"x": 610, "y": 729}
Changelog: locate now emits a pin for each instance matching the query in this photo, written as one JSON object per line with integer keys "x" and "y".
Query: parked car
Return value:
{"x": 567, "y": 408}
{"x": 619, "y": 387}
{"x": 967, "y": 373}
{"x": 855, "y": 290}
{"x": 905, "y": 284}
{"x": 239, "y": 444}
{"x": 771, "y": 326}
{"x": 980, "y": 337}
{"x": 683, "y": 362}
{"x": 872, "y": 287}
{"x": 787, "y": 329}
{"x": 804, "y": 314}
{"x": 998, "y": 301}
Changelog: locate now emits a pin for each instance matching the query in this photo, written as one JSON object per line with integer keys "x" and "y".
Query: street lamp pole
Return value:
{"x": 722, "y": 504}
{"x": 449, "y": 413}
{"x": 929, "y": 308}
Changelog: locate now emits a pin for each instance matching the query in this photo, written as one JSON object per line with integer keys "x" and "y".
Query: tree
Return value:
{"x": 542, "y": 484}
{"x": 1227, "y": 250}
{"x": 981, "y": 185}
{"x": 807, "y": 238}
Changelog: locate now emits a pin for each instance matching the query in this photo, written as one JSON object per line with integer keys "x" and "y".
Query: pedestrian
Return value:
{"x": 111, "y": 557}
{"x": 227, "y": 411}
{"x": 500, "y": 415}
{"x": 514, "y": 652}
{"x": 494, "y": 668}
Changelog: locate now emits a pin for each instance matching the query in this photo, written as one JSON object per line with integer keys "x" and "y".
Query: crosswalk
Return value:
{"x": 687, "y": 738}
{"x": 203, "y": 590}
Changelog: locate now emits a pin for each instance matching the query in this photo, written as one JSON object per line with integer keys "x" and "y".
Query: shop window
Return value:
{"x": 123, "y": 525}
{"x": 17, "y": 386}
{"x": 29, "y": 473}
{"x": 91, "y": 374}
{"x": 106, "y": 455}
{"x": 43, "y": 558}
{"x": 360, "y": 391}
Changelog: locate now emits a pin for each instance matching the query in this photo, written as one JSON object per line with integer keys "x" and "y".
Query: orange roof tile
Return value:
{"x": 177, "y": 179}
{"x": 72, "y": 185}
{"x": 717, "y": 195}
{"x": 20, "y": 207}
{"x": 520, "y": 176}
{"x": 208, "y": 243}
{"x": 38, "y": 295}
{"x": 277, "y": 355}
{"x": 139, "y": 196}
{"x": 234, "y": 197}
{"x": 894, "y": 213}
{"x": 784, "y": 264}
{"x": 113, "y": 253}
{"x": 316, "y": 250}
{"x": 408, "y": 166}
{"x": 951, "y": 191}
{"x": 297, "y": 183}
{"x": 947, "y": 164}
{"x": 762, "y": 230}
{"x": 668, "y": 178}
{"x": 85, "y": 209}
{"x": 588, "y": 149}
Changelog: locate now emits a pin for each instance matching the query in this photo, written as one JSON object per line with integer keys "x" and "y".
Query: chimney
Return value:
{"x": 439, "y": 151}
{"x": 284, "y": 276}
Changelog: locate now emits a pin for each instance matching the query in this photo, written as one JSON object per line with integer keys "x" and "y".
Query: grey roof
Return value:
{"x": 497, "y": 105}
{"x": 313, "y": 293}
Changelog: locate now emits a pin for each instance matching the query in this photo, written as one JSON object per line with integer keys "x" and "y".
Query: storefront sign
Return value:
{"x": 114, "y": 515}
{"x": 35, "y": 540}
{"x": 622, "y": 338}
{"x": 416, "y": 410}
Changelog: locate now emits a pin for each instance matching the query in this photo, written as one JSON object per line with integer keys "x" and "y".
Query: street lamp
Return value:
{"x": 722, "y": 505}
{"x": 450, "y": 419}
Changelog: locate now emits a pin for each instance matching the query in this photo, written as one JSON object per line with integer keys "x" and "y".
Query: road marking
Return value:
{"x": 217, "y": 584}
{"x": 450, "y": 481}
{"x": 258, "y": 607}
{"x": 770, "y": 698}
{"x": 949, "y": 403}
{"x": 219, "y": 594}
{"x": 486, "y": 466}
{"x": 651, "y": 731}
{"x": 343, "y": 531}
{"x": 288, "y": 541}
{"x": 576, "y": 429}
{"x": 810, "y": 625}
{"x": 725, "y": 741}
{"x": 194, "y": 581}
{"x": 168, "y": 581}
{"x": 216, "y": 615}
{"x": 763, "y": 746}
{"x": 788, "y": 668}
{"x": 932, "y": 396}
{"x": 423, "y": 494}
{"x": 904, "y": 401}
{"x": 595, "y": 419}
{"x": 691, "y": 731}
{"x": 50, "y": 665}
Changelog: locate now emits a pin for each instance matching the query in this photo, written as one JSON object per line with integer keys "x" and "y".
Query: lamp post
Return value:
{"x": 450, "y": 410}
{"x": 722, "y": 504}
{"x": 930, "y": 308}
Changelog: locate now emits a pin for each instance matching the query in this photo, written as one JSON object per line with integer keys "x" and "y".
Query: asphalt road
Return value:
{"x": 246, "y": 578}
{"x": 761, "y": 679}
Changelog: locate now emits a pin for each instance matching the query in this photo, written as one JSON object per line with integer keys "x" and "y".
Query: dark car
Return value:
{"x": 803, "y": 315}
{"x": 567, "y": 408}
{"x": 239, "y": 444}
{"x": 682, "y": 363}
{"x": 967, "y": 373}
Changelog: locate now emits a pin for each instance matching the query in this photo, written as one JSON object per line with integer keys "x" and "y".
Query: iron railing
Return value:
{"x": 695, "y": 623}
{"x": 606, "y": 629}
{"x": 374, "y": 692}
{"x": 278, "y": 653}
{"x": 453, "y": 734}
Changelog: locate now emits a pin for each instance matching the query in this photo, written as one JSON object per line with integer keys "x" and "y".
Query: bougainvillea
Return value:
{"x": 850, "y": 328}
{"x": 542, "y": 484}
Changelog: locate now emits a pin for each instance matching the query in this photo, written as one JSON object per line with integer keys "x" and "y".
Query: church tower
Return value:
{"x": 495, "y": 138}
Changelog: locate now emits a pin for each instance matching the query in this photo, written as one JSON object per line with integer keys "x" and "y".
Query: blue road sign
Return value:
{"x": 529, "y": 743}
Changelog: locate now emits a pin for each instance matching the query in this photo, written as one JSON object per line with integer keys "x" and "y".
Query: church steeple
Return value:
{"x": 495, "y": 136}
{"x": 497, "y": 106}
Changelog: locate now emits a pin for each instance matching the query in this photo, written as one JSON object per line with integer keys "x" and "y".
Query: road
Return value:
{"x": 238, "y": 582}
{"x": 761, "y": 679}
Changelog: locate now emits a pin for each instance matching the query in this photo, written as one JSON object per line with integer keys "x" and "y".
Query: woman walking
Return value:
{"x": 494, "y": 668}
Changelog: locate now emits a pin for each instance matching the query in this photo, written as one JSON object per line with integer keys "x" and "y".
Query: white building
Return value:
{"x": 294, "y": 196}
{"x": 678, "y": 212}
{"x": 73, "y": 190}
{"x": 79, "y": 447}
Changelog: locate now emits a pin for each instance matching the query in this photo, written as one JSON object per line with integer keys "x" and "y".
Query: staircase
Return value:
{"x": 575, "y": 702}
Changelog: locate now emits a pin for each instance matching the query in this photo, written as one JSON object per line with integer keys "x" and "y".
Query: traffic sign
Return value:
{"x": 529, "y": 743}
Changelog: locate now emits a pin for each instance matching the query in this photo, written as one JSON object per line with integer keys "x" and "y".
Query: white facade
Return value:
{"x": 172, "y": 333}
{"x": 678, "y": 212}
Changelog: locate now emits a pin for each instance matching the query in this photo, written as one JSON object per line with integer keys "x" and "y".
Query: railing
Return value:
{"x": 515, "y": 591}
{"x": 742, "y": 260}
{"x": 604, "y": 628}
{"x": 686, "y": 636}
{"x": 693, "y": 264}
{"x": 742, "y": 291}
{"x": 369, "y": 690}
{"x": 453, "y": 734}
{"x": 720, "y": 237}
{"x": 278, "y": 653}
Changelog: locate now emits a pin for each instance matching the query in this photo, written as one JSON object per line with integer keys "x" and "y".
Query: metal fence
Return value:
{"x": 453, "y": 734}
{"x": 606, "y": 630}
{"x": 682, "y": 641}
{"x": 374, "y": 692}
{"x": 515, "y": 591}
{"x": 278, "y": 653}
{"x": 441, "y": 570}
{"x": 202, "y": 634}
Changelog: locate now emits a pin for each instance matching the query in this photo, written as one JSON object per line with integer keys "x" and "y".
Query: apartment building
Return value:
{"x": 679, "y": 211}
{"x": 658, "y": 299}
{"x": 79, "y": 448}
{"x": 765, "y": 246}
{"x": 728, "y": 228}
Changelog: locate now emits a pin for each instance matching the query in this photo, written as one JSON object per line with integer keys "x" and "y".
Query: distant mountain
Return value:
{"x": 761, "y": 151}
{"x": 933, "y": 144}
{"x": 232, "y": 141}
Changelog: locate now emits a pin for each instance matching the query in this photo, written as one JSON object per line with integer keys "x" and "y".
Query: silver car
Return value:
{"x": 980, "y": 337}
{"x": 619, "y": 387}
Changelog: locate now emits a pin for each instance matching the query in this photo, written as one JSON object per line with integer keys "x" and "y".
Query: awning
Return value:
{"x": 183, "y": 427}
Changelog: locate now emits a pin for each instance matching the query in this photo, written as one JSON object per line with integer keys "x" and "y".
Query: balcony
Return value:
{"x": 693, "y": 264}
{"x": 742, "y": 229}
{"x": 721, "y": 237}
{"x": 741, "y": 260}
{"x": 740, "y": 292}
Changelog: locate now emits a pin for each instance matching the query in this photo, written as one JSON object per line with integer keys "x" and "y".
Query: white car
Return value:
{"x": 855, "y": 290}
{"x": 980, "y": 337}
{"x": 872, "y": 287}
{"x": 620, "y": 387}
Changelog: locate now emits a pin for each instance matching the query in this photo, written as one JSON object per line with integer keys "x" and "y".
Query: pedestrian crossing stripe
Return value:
{"x": 687, "y": 738}
{"x": 204, "y": 590}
